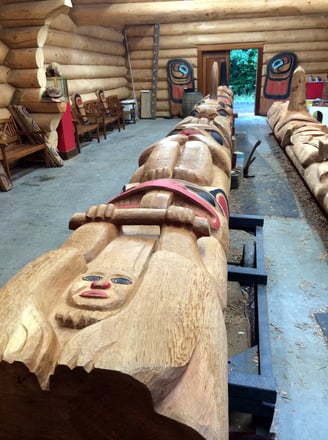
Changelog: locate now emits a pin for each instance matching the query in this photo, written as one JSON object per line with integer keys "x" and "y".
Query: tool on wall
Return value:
{"x": 155, "y": 71}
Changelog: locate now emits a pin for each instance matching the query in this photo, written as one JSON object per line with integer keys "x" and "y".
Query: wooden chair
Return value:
{"x": 85, "y": 122}
{"x": 109, "y": 118}
{"x": 13, "y": 148}
{"x": 116, "y": 108}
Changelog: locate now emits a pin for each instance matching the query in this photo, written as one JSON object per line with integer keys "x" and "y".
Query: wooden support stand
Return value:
{"x": 252, "y": 387}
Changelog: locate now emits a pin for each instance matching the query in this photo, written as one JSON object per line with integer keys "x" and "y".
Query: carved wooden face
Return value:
{"x": 102, "y": 290}
{"x": 111, "y": 278}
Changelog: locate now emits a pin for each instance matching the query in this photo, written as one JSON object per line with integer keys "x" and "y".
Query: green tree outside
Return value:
{"x": 243, "y": 65}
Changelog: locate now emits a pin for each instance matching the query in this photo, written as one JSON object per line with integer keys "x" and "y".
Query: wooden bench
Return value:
{"x": 12, "y": 147}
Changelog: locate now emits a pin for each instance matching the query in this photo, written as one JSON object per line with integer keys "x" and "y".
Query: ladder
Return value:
{"x": 155, "y": 71}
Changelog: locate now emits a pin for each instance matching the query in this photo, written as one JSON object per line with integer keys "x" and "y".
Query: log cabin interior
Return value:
{"x": 122, "y": 48}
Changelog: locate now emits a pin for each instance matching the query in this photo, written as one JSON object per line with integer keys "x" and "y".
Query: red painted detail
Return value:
{"x": 177, "y": 187}
{"x": 99, "y": 284}
{"x": 222, "y": 201}
{"x": 189, "y": 132}
{"x": 94, "y": 294}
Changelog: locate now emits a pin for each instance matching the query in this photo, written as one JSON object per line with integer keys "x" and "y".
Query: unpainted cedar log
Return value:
{"x": 147, "y": 74}
{"x": 63, "y": 22}
{"x": 302, "y": 56}
{"x": 47, "y": 121}
{"x": 275, "y": 48}
{"x": 162, "y": 114}
{"x": 167, "y": 54}
{"x": 24, "y": 96}
{"x": 91, "y": 71}
{"x": 29, "y": 36}
{"x": 67, "y": 55}
{"x": 28, "y": 58}
{"x": 139, "y": 55}
{"x": 121, "y": 92}
{"x": 3, "y": 74}
{"x": 147, "y": 85}
{"x": 36, "y": 14}
{"x": 4, "y": 112}
{"x": 46, "y": 107}
{"x": 172, "y": 42}
{"x": 31, "y": 98}
{"x": 316, "y": 177}
{"x": 6, "y": 94}
{"x": 53, "y": 138}
{"x": 162, "y": 106}
{"x": 28, "y": 78}
{"x": 102, "y": 33}
{"x": 231, "y": 26}
{"x": 3, "y": 52}
{"x": 319, "y": 67}
{"x": 90, "y": 85}
{"x": 83, "y": 42}
{"x": 87, "y": 2}
{"x": 162, "y": 63}
{"x": 297, "y": 95}
{"x": 162, "y": 95}
{"x": 186, "y": 12}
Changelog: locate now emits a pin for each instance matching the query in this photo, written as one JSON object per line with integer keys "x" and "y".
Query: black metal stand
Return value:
{"x": 252, "y": 387}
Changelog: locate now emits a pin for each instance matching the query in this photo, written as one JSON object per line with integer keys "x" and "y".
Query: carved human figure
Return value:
{"x": 147, "y": 301}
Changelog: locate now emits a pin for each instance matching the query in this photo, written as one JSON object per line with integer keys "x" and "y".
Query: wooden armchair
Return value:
{"x": 13, "y": 148}
{"x": 85, "y": 120}
{"x": 116, "y": 108}
{"x": 110, "y": 115}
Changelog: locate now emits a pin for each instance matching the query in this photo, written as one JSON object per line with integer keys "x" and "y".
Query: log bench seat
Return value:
{"x": 13, "y": 148}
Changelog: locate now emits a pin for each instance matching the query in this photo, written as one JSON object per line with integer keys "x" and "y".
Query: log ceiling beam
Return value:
{"x": 32, "y": 13}
{"x": 190, "y": 11}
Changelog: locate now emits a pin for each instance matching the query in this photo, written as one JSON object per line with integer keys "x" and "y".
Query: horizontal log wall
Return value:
{"x": 307, "y": 36}
{"x": 90, "y": 57}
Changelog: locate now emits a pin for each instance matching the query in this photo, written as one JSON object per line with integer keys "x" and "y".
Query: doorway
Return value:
{"x": 206, "y": 55}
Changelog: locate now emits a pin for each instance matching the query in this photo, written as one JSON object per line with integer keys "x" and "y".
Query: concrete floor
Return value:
{"x": 35, "y": 214}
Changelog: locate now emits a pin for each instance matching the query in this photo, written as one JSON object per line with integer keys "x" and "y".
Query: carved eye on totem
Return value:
{"x": 92, "y": 278}
{"x": 121, "y": 280}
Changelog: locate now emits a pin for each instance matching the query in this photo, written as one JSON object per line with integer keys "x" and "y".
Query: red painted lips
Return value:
{"x": 94, "y": 294}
